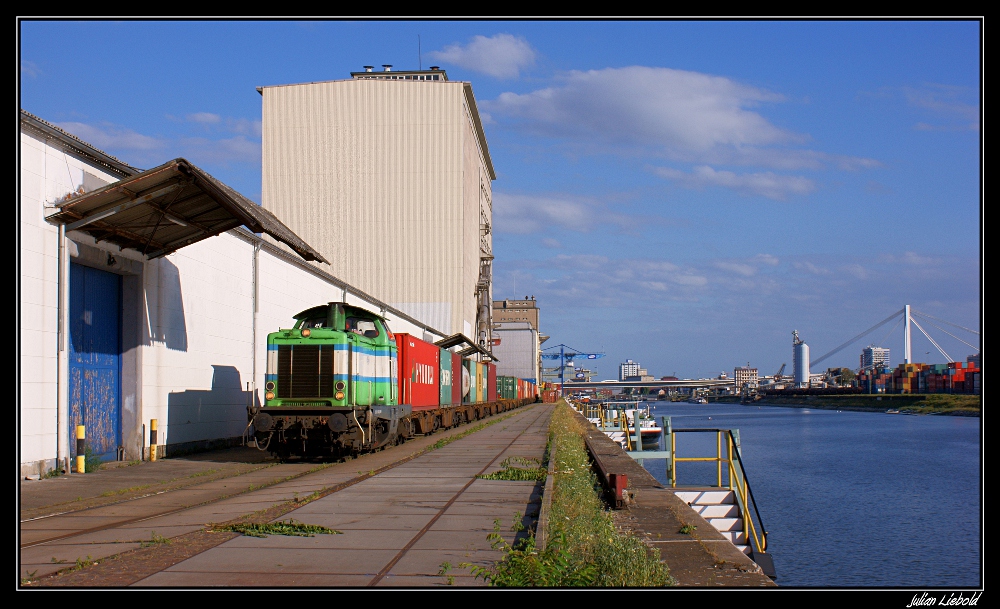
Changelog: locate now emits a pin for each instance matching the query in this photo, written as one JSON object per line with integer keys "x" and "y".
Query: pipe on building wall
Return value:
{"x": 62, "y": 382}
{"x": 256, "y": 310}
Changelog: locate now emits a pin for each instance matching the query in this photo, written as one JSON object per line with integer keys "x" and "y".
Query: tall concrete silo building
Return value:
{"x": 388, "y": 174}
{"x": 800, "y": 359}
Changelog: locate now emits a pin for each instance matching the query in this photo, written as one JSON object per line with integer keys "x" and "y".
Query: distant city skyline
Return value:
{"x": 680, "y": 193}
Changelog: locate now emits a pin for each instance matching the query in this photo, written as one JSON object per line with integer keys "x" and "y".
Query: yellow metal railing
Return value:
{"x": 736, "y": 479}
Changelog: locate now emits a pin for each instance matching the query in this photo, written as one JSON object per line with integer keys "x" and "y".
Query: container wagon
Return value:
{"x": 339, "y": 382}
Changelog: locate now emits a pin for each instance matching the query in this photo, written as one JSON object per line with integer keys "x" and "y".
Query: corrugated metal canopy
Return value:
{"x": 168, "y": 207}
{"x": 459, "y": 339}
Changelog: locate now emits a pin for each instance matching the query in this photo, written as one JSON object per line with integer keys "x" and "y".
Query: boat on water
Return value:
{"x": 892, "y": 411}
{"x": 608, "y": 417}
{"x": 697, "y": 400}
{"x": 649, "y": 431}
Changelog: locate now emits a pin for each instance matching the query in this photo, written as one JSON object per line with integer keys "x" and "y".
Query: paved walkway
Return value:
{"x": 398, "y": 525}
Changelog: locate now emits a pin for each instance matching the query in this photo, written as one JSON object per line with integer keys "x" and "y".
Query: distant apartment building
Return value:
{"x": 745, "y": 375}
{"x": 629, "y": 370}
{"x": 874, "y": 357}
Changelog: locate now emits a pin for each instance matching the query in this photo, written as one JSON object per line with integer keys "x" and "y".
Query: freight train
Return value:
{"x": 339, "y": 382}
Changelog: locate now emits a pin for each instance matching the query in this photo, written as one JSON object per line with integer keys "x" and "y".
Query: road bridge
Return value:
{"x": 684, "y": 383}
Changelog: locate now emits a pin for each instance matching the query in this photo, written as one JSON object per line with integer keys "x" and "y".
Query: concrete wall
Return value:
{"x": 194, "y": 323}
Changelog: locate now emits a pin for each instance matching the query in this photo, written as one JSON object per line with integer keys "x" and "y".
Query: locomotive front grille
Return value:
{"x": 305, "y": 371}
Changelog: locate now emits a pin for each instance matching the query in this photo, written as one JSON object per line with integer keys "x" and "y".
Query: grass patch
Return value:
{"x": 91, "y": 462}
{"x": 123, "y": 491}
{"x": 155, "y": 540}
{"x": 523, "y": 470}
{"x": 285, "y": 527}
{"x": 585, "y": 548}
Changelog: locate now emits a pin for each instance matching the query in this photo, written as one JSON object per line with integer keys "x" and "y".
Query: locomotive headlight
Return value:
{"x": 340, "y": 385}
{"x": 269, "y": 385}
{"x": 306, "y": 332}
{"x": 269, "y": 395}
{"x": 339, "y": 395}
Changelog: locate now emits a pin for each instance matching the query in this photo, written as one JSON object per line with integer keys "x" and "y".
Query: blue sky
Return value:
{"x": 680, "y": 193}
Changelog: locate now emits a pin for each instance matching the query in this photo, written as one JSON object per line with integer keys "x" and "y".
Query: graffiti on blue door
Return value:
{"x": 95, "y": 359}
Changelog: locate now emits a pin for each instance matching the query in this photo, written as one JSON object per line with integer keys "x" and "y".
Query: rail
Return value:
{"x": 736, "y": 479}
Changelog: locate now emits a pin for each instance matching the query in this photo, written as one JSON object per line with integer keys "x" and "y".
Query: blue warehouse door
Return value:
{"x": 95, "y": 359}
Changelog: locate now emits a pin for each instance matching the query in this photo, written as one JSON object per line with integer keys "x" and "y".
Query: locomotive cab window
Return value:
{"x": 318, "y": 322}
{"x": 362, "y": 327}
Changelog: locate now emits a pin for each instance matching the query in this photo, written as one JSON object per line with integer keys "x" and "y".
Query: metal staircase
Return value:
{"x": 719, "y": 508}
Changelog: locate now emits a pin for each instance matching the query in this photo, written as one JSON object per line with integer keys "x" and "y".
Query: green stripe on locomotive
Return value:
{"x": 335, "y": 355}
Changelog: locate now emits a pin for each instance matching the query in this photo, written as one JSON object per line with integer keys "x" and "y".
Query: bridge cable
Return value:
{"x": 914, "y": 312}
{"x": 950, "y": 334}
{"x": 946, "y": 356}
{"x": 869, "y": 330}
{"x": 886, "y": 337}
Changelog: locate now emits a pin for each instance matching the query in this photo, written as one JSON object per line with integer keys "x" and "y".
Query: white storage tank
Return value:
{"x": 800, "y": 359}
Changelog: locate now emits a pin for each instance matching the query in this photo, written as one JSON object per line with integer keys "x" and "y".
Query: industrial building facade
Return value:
{"x": 178, "y": 338}
{"x": 516, "y": 347}
{"x": 389, "y": 176}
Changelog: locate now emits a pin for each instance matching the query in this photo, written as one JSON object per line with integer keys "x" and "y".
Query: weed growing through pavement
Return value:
{"x": 510, "y": 471}
{"x": 688, "y": 529}
{"x": 285, "y": 527}
{"x": 91, "y": 461}
{"x": 155, "y": 540}
{"x": 444, "y": 572}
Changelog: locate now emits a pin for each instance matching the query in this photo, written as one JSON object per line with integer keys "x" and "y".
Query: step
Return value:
{"x": 736, "y": 537}
{"x": 744, "y": 549}
{"x": 726, "y": 524}
{"x": 724, "y": 510}
{"x": 719, "y": 497}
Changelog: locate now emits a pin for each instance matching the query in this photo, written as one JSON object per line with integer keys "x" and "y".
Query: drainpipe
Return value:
{"x": 256, "y": 311}
{"x": 62, "y": 391}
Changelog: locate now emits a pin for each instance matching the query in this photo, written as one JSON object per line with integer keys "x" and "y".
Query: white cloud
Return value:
{"x": 500, "y": 56}
{"x": 237, "y": 149}
{"x": 767, "y": 184}
{"x": 204, "y": 117}
{"x": 809, "y": 267}
{"x": 683, "y": 112}
{"x": 110, "y": 137}
{"x": 523, "y": 214}
{"x": 738, "y": 268}
{"x": 944, "y": 100}
{"x": 30, "y": 68}
{"x": 767, "y": 259}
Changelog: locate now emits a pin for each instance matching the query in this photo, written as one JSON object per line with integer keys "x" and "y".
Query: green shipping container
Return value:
{"x": 446, "y": 377}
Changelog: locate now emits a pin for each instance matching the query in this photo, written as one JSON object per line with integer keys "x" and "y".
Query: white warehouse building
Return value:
{"x": 129, "y": 313}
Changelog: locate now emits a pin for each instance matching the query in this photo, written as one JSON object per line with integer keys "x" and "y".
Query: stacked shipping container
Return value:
{"x": 953, "y": 377}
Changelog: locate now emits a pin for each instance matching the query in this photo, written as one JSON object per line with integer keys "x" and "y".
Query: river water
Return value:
{"x": 851, "y": 499}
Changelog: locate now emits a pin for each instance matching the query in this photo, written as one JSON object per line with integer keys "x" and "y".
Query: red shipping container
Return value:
{"x": 491, "y": 382}
{"x": 456, "y": 381}
{"x": 419, "y": 366}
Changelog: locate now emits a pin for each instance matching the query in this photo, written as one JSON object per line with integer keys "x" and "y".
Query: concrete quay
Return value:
{"x": 407, "y": 517}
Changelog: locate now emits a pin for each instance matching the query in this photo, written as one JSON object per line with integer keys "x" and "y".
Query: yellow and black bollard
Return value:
{"x": 152, "y": 439}
{"x": 81, "y": 449}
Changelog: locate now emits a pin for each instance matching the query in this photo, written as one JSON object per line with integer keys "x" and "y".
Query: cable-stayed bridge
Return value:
{"x": 908, "y": 317}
